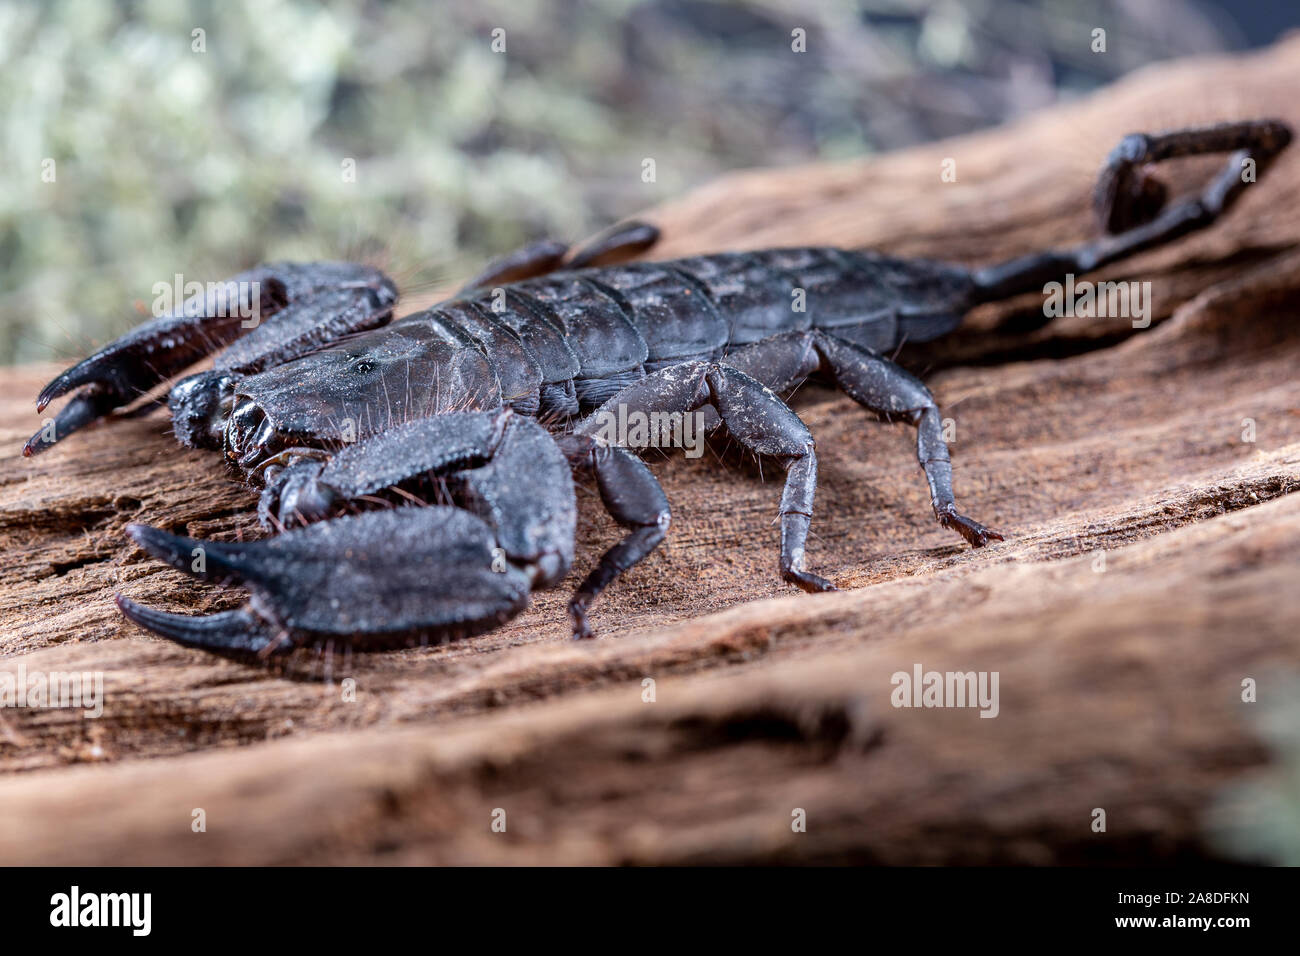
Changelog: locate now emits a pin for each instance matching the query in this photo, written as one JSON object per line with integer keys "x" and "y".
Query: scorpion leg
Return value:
{"x": 890, "y": 391}
{"x": 1131, "y": 203}
{"x": 622, "y": 241}
{"x": 535, "y": 259}
{"x": 755, "y": 417}
{"x": 881, "y": 386}
{"x": 616, "y": 244}
{"x": 633, "y": 497}
{"x": 283, "y": 309}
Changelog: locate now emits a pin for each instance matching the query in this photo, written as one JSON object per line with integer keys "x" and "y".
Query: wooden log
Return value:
{"x": 1142, "y": 479}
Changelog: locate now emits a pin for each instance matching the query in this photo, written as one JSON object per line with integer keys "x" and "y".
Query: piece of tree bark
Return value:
{"x": 1150, "y": 568}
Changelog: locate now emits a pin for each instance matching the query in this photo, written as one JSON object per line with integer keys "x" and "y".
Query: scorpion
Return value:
{"x": 340, "y": 414}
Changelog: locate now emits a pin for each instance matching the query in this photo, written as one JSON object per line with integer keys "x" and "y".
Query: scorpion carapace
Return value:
{"x": 341, "y": 414}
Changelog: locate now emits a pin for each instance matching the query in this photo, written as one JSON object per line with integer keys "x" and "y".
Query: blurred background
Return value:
{"x": 142, "y": 139}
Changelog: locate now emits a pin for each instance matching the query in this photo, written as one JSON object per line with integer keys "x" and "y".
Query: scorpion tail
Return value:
{"x": 1130, "y": 202}
{"x": 376, "y": 580}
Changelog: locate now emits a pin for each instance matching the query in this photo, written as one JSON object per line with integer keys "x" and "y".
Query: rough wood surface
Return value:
{"x": 1120, "y": 688}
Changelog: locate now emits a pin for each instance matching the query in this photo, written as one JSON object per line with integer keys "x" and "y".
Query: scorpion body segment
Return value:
{"x": 564, "y": 344}
{"x": 490, "y": 402}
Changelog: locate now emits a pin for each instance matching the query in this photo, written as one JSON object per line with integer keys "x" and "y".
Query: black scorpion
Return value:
{"x": 334, "y": 409}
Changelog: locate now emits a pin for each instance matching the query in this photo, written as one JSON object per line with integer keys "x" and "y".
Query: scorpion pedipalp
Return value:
{"x": 285, "y": 310}
{"x": 388, "y": 578}
{"x": 233, "y": 633}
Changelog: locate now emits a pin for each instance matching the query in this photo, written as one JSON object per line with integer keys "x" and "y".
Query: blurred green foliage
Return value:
{"x": 135, "y": 148}
{"x": 1257, "y": 819}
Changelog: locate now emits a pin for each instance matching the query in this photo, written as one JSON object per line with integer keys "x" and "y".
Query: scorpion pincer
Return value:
{"x": 341, "y": 414}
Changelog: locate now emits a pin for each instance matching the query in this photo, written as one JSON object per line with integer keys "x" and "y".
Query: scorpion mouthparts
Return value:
{"x": 250, "y": 434}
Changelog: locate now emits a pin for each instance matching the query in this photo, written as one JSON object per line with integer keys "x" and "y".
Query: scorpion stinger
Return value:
{"x": 282, "y": 311}
{"x": 1130, "y": 201}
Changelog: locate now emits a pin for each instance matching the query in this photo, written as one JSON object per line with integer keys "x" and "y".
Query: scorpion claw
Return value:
{"x": 85, "y": 407}
{"x": 379, "y": 579}
{"x": 232, "y": 632}
{"x": 279, "y": 311}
